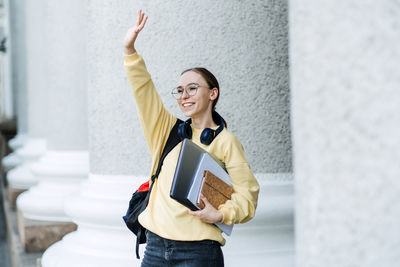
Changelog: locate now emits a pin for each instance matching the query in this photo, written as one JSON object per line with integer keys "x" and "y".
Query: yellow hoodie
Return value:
{"x": 164, "y": 216}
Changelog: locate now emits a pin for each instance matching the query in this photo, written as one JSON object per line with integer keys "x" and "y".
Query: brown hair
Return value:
{"x": 211, "y": 81}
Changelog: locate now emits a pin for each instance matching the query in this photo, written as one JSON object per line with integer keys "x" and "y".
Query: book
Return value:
{"x": 212, "y": 168}
{"x": 215, "y": 190}
{"x": 206, "y": 162}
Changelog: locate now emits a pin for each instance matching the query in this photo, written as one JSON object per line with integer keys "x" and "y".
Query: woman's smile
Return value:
{"x": 187, "y": 104}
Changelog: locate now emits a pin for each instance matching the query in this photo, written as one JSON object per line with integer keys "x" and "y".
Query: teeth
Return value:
{"x": 187, "y": 104}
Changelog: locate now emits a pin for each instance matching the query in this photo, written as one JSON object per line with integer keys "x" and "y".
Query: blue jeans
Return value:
{"x": 164, "y": 252}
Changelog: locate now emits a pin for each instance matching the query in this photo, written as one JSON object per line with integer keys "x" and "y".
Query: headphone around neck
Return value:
{"x": 207, "y": 135}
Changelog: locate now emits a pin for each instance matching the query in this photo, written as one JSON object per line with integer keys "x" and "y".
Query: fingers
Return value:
{"x": 141, "y": 26}
{"x": 138, "y": 18}
{"x": 200, "y": 213}
{"x": 140, "y": 21}
{"x": 208, "y": 215}
{"x": 204, "y": 199}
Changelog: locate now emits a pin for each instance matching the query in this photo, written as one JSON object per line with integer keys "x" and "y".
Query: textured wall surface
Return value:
{"x": 18, "y": 53}
{"x": 243, "y": 44}
{"x": 35, "y": 75}
{"x": 66, "y": 76}
{"x": 344, "y": 59}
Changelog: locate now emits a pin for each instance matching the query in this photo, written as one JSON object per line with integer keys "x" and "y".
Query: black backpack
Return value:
{"x": 140, "y": 198}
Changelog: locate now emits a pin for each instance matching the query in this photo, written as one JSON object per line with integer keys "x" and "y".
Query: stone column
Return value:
{"x": 6, "y": 92}
{"x": 119, "y": 160}
{"x": 65, "y": 164}
{"x": 345, "y": 99}
{"x": 245, "y": 46}
{"x": 16, "y": 48}
{"x": 21, "y": 178}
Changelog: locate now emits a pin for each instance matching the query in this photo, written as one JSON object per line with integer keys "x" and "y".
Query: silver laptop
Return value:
{"x": 186, "y": 167}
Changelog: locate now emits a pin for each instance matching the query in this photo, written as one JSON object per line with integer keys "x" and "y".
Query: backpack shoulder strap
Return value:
{"x": 172, "y": 141}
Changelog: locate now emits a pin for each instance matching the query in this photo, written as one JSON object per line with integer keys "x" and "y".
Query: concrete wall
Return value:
{"x": 243, "y": 44}
{"x": 344, "y": 85}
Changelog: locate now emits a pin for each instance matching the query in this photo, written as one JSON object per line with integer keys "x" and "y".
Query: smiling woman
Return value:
{"x": 177, "y": 236}
{"x": 199, "y": 102}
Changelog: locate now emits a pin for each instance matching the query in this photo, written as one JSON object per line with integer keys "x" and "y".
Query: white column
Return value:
{"x": 34, "y": 97}
{"x": 345, "y": 109}
{"x": 65, "y": 163}
{"x": 118, "y": 162}
{"x": 7, "y": 110}
{"x": 16, "y": 48}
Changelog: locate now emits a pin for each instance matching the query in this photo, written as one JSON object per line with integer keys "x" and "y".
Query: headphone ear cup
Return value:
{"x": 207, "y": 136}
{"x": 184, "y": 131}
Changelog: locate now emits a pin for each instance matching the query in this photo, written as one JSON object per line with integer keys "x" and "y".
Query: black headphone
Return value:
{"x": 207, "y": 135}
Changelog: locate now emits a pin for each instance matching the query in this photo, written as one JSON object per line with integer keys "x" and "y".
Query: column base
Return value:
{"x": 102, "y": 239}
{"x": 21, "y": 177}
{"x": 37, "y": 236}
{"x": 10, "y": 161}
{"x": 18, "y": 141}
{"x": 60, "y": 174}
{"x": 12, "y": 196}
{"x": 268, "y": 239}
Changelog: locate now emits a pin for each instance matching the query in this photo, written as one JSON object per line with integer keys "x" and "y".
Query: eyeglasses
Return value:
{"x": 190, "y": 89}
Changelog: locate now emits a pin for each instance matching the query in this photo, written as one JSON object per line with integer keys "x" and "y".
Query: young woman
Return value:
{"x": 177, "y": 236}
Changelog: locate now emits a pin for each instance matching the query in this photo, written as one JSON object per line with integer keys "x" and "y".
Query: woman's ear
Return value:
{"x": 214, "y": 93}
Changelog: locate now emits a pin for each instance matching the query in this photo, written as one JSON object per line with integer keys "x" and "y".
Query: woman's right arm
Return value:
{"x": 155, "y": 120}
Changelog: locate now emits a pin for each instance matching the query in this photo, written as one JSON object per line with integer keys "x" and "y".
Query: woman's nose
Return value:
{"x": 185, "y": 94}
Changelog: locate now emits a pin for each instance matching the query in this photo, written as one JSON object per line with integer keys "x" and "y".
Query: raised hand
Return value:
{"x": 132, "y": 33}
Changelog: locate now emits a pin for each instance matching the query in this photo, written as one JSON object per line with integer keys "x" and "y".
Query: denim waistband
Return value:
{"x": 206, "y": 241}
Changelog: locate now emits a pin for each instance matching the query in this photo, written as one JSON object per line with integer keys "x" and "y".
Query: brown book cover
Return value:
{"x": 215, "y": 190}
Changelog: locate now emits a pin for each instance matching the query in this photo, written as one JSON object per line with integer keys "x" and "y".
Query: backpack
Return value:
{"x": 140, "y": 198}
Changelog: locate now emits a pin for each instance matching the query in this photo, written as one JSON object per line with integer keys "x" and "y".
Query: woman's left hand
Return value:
{"x": 209, "y": 214}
